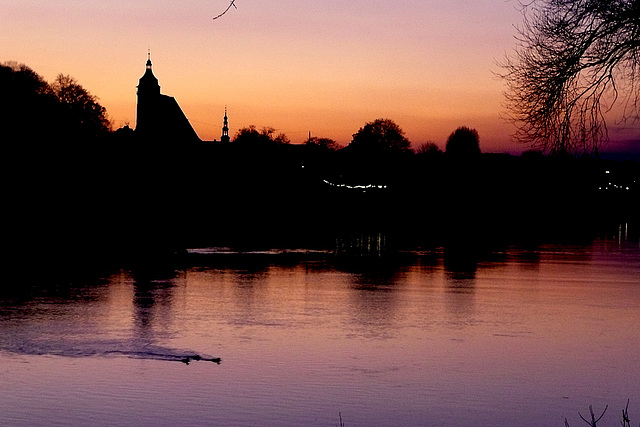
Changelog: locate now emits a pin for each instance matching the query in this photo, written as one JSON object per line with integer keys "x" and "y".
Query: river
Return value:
{"x": 522, "y": 336}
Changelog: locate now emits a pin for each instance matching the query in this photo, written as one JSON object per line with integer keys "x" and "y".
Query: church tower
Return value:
{"x": 225, "y": 128}
{"x": 148, "y": 95}
{"x": 159, "y": 118}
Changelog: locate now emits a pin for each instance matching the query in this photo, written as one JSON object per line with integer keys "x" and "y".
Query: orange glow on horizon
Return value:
{"x": 326, "y": 68}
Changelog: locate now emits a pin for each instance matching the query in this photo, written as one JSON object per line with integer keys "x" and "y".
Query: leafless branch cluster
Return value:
{"x": 575, "y": 59}
{"x": 593, "y": 422}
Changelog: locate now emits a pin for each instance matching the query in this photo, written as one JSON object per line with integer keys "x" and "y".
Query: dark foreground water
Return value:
{"x": 523, "y": 337}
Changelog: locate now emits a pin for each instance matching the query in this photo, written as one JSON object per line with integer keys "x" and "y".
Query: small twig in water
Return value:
{"x": 593, "y": 421}
{"x": 626, "y": 421}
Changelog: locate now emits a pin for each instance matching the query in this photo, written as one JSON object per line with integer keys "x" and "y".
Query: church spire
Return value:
{"x": 148, "y": 83}
{"x": 225, "y": 127}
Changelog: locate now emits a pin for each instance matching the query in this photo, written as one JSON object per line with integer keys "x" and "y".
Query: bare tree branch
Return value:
{"x": 227, "y": 9}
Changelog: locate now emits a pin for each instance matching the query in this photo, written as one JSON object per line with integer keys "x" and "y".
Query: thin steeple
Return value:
{"x": 225, "y": 127}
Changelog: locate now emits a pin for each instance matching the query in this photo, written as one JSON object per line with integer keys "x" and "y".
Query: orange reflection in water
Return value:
{"x": 531, "y": 335}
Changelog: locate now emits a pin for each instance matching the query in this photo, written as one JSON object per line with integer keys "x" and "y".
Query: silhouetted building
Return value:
{"x": 159, "y": 117}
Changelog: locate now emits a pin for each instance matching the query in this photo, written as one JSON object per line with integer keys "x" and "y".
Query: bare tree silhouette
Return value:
{"x": 574, "y": 60}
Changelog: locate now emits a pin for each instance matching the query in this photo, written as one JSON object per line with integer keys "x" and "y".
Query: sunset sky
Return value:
{"x": 322, "y": 66}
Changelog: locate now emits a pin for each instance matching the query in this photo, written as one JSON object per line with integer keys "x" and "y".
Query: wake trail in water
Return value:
{"x": 96, "y": 348}
{"x": 168, "y": 356}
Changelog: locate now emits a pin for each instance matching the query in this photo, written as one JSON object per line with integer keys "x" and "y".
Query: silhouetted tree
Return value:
{"x": 572, "y": 56}
{"x": 58, "y": 190}
{"x": 124, "y": 136}
{"x": 380, "y": 136}
{"x": 19, "y": 79}
{"x": 87, "y": 119}
{"x": 533, "y": 155}
{"x": 322, "y": 143}
{"x": 29, "y": 110}
{"x": 463, "y": 142}
{"x": 36, "y": 111}
{"x": 281, "y": 139}
{"x": 252, "y": 137}
{"x": 429, "y": 149}
{"x": 377, "y": 154}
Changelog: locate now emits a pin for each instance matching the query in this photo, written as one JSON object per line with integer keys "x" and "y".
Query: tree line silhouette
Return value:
{"x": 73, "y": 183}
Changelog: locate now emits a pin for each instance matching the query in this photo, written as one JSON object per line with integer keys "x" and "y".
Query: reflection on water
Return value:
{"x": 515, "y": 336}
{"x": 370, "y": 244}
{"x": 152, "y": 301}
{"x": 115, "y": 316}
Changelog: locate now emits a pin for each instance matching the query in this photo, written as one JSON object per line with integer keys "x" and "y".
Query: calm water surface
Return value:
{"x": 524, "y": 338}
